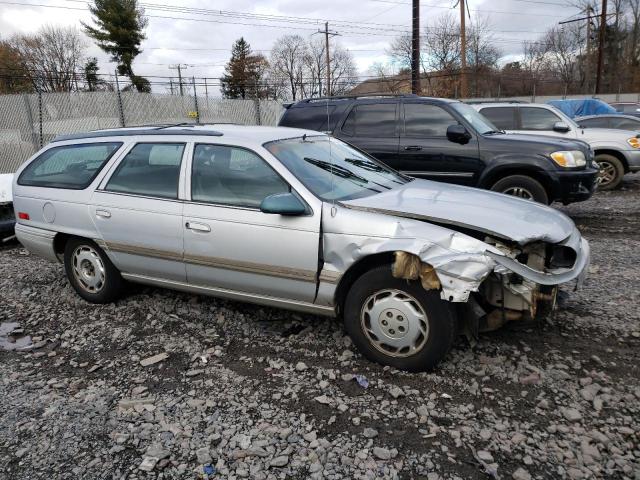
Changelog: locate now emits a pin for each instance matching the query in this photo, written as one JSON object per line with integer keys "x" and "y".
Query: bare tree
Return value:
{"x": 316, "y": 67}
{"x": 386, "y": 80}
{"x": 400, "y": 51}
{"x": 563, "y": 45}
{"x": 288, "y": 63}
{"x": 442, "y": 44}
{"x": 482, "y": 55}
{"x": 344, "y": 75}
{"x": 52, "y": 57}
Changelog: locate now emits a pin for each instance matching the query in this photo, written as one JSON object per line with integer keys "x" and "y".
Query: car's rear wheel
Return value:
{"x": 522, "y": 186}
{"x": 611, "y": 171}
{"x": 397, "y": 322}
{"x": 90, "y": 271}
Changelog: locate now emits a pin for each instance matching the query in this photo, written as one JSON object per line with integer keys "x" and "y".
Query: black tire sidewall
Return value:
{"x": 617, "y": 164}
{"x": 440, "y": 317}
{"x": 114, "y": 282}
{"x": 531, "y": 184}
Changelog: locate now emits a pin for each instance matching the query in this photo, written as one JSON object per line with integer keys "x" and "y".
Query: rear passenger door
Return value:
{"x": 426, "y": 152}
{"x": 538, "y": 120}
{"x": 137, "y": 212}
{"x": 373, "y": 128}
{"x": 230, "y": 244}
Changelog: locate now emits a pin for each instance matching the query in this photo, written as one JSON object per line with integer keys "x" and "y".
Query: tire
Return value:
{"x": 522, "y": 186}
{"x": 91, "y": 273}
{"x": 369, "y": 294}
{"x": 611, "y": 171}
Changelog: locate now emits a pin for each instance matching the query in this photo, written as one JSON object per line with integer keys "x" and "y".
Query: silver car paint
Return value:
{"x": 273, "y": 260}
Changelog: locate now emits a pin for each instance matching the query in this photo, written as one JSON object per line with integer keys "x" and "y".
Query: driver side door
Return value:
{"x": 230, "y": 244}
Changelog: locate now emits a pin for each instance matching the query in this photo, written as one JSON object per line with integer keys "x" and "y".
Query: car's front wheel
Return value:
{"x": 522, "y": 186}
{"x": 611, "y": 171}
{"x": 397, "y": 322}
{"x": 90, "y": 272}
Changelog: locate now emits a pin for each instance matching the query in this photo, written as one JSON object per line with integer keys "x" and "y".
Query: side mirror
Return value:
{"x": 283, "y": 204}
{"x": 561, "y": 127}
{"x": 458, "y": 134}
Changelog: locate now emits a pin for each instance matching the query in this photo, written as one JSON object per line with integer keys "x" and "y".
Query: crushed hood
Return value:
{"x": 493, "y": 213}
{"x": 6, "y": 180}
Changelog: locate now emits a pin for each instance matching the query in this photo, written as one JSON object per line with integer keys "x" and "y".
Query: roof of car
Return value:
{"x": 246, "y": 133}
{"x": 507, "y": 104}
{"x": 369, "y": 97}
{"x": 608, "y": 115}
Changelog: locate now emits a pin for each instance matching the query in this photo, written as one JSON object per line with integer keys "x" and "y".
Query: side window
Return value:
{"x": 232, "y": 176}
{"x": 374, "y": 120}
{"x": 151, "y": 169}
{"x": 533, "y": 118}
{"x": 422, "y": 120}
{"x": 631, "y": 108}
{"x": 595, "y": 123}
{"x": 69, "y": 166}
{"x": 625, "y": 124}
{"x": 502, "y": 117}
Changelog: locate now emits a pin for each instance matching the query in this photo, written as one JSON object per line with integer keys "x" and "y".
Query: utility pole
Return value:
{"x": 415, "y": 49}
{"x": 463, "y": 53}
{"x": 327, "y": 56}
{"x": 587, "y": 63}
{"x": 179, "y": 68}
{"x": 603, "y": 27}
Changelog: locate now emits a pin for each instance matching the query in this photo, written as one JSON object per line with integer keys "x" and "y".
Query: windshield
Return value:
{"x": 333, "y": 170}
{"x": 475, "y": 118}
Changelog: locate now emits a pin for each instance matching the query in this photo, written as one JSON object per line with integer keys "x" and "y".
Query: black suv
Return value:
{"x": 447, "y": 140}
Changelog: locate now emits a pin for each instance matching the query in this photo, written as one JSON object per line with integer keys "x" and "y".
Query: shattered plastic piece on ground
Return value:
{"x": 362, "y": 380}
{"x": 208, "y": 469}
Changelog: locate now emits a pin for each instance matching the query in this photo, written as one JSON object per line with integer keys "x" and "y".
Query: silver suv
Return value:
{"x": 295, "y": 219}
{"x": 617, "y": 151}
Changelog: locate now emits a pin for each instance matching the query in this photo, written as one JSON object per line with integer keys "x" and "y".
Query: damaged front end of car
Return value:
{"x": 493, "y": 279}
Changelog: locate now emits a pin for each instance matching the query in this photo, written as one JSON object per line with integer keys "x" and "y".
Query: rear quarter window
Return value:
{"x": 71, "y": 167}
{"x": 310, "y": 117}
{"x": 502, "y": 117}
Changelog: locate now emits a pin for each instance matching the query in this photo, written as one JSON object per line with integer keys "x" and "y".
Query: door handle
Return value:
{"x": 103, "y": 213}
{"x": 413, "y": 148}
{"x": 198, "y": 227}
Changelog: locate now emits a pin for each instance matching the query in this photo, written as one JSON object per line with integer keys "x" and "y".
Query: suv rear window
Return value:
{"x": 69, "y": 166}
{"x": 371, "y": 120}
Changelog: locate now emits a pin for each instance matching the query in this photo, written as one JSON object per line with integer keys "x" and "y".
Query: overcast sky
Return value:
{"x": 365, "y": 26}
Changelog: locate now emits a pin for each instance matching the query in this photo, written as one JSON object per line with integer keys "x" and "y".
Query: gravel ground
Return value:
{"x": 243, "y": 391}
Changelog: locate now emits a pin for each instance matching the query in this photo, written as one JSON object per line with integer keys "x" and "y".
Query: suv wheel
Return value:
{"x": 398, "y": 323}
{"x": 611, "y": 171}
{"x": 523, "y": 187}
{"x": 90, "y": 272}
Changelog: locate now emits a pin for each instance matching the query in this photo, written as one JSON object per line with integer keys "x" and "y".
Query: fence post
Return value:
{"x": 27, "y": 106}
{"x": 257, "y": 107}
{"x": 195, "y": 99}
{"x": 119, "y": 98}
{"x": 533, "y": 97}
{"x": 40, "y": 117}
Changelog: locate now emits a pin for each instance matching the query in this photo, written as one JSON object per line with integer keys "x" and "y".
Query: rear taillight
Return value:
{"x": 23, "y": 216}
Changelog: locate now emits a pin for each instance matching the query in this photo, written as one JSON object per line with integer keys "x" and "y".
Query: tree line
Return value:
{"x": 54, "y": 58}
{"x": 563, "y": 60}
{"x": 296, "y": 68}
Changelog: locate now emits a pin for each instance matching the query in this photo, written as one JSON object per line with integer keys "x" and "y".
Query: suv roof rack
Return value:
{"x": 354, "y": 97}
{"x": 158, "y": 131}
{"x": 476, "y": 102}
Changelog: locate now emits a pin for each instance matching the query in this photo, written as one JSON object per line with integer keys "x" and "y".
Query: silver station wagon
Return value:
{"x": 295, "y": 219}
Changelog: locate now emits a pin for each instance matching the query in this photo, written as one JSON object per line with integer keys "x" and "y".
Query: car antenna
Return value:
{"x": 334, "y": 210}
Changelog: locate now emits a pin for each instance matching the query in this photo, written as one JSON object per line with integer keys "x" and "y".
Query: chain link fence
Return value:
{"x": 29, "y": 121}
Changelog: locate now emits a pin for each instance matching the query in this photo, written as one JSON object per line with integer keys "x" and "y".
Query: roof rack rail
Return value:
{"x": 476, "y": 102}
{"x": 349, "y": 97}
{"x": 133, "y": 132}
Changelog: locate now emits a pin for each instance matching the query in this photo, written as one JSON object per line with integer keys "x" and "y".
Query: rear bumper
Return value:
{"x": 7, "y": 218}
{"x": 37, "y": 240}
{"x": 576, "y": 186}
